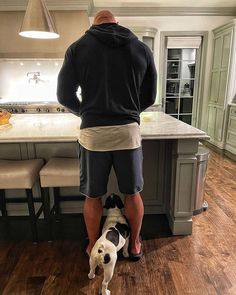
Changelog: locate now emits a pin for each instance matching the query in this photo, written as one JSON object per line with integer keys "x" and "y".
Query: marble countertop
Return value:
{"x": 65, "y": 128}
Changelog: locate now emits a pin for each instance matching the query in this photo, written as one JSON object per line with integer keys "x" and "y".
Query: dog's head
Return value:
{"x": 113, "y": 201}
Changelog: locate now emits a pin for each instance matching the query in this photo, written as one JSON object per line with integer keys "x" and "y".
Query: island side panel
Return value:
{"x": 156, "y": 168}
{"x": 183, "y": 186}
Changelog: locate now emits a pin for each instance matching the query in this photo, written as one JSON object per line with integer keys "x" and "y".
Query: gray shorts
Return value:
{"x": 95, "y": 168}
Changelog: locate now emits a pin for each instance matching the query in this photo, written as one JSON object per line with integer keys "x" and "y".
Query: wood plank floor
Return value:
{"x": 203, "y": 263}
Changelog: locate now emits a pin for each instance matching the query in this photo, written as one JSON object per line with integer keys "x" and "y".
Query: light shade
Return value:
{"x": 37, "y": 22}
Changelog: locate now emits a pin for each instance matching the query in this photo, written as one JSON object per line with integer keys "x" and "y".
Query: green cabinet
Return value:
{"x": 222, "y": 82}
{"x": 231, "y": 130}
{"x": 215, "y": 121}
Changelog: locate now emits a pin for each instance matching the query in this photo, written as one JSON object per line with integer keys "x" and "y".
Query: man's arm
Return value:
{"x": 149, "y": 85}
{"x": 67, "y": 85}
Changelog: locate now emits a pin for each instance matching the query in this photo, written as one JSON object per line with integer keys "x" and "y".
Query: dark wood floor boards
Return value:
{"x": 203, "y": 263}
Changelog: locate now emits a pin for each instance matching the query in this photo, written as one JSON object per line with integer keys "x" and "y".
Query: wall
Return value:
{"x": 28, "y": 80}
{"x": 70, "y": 24}
{"x": 181, "y": 23}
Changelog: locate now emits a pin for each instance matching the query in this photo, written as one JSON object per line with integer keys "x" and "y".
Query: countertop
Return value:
{"x": 65, "y": 128}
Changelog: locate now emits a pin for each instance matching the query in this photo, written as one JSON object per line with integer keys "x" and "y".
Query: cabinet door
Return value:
{"x": 215, "y": 122}
{"x": 218, "y": 42}
{"x": 211, "y": 121}
{"x": 219, "y": 123}
{"x": 223, "y": 72}
{"x": 226, "y": 49}
{"x": 222, "y": 85}
{"x": 216, "y": 64}
{"x": 220, "y": 65}
{"x": 214, "y": 86}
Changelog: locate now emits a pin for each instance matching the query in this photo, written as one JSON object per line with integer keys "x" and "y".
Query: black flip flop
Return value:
{"x": 138, "y": 256}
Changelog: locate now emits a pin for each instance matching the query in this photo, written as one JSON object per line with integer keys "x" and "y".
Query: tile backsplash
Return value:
{"x": 28, "y": 80}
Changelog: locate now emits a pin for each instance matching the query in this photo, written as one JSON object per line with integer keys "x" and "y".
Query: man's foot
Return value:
{"x": 136, "y": 252}
{"x": 87, "y": 248}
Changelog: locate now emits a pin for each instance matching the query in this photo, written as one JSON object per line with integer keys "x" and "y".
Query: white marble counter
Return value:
{"x": 65, "y": 128}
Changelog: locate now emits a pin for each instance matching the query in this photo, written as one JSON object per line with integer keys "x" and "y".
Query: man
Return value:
{"x": 117, "y": 77}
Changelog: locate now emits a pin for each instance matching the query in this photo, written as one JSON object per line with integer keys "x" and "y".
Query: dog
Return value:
{"x": 115, "y": 235}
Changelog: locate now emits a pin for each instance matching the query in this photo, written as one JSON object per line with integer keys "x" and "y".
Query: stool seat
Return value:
{"x": 19, "y": 174}
{"x": 60, "y": 172}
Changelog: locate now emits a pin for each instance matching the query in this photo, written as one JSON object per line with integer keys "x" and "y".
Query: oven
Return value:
{"x": 29, "y": 108}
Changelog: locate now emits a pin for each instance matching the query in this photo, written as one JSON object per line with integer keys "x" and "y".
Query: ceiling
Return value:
{"x": 166, "y": 3}
{"x": 135, "y": 7}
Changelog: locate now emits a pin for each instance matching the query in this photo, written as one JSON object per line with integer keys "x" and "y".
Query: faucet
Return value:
{"x": 34, "y": 77}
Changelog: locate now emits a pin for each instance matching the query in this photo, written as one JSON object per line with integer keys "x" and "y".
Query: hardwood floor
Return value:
{"x": 203, "y": 263}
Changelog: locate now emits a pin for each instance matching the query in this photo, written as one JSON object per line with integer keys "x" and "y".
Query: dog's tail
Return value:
{"x": 101, "y": 248}
{"x": 103, "y": 258}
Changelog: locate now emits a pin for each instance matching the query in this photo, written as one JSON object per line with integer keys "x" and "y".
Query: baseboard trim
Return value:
{"x": 220, "y": 151}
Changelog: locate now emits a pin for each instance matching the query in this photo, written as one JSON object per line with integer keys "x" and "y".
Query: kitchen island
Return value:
{"x": 170, "y": 163}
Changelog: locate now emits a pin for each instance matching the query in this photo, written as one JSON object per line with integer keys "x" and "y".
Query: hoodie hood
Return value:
{"x": 112, "y": 34}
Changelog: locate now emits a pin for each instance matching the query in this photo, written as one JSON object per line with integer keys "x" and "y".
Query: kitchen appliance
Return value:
{"x": 29, "y": 108}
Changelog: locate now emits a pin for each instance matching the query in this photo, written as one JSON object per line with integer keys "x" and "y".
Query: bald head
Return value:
{"x": 104, "y": 16}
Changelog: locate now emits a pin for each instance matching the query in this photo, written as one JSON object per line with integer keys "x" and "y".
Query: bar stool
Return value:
{"x": 57, "y": 173}
{"x": 21, "y": 174}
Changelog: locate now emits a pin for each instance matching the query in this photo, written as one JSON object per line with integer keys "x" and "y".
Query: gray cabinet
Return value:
{"x": 231, "y": 130}
{"x": 223, "y": 86}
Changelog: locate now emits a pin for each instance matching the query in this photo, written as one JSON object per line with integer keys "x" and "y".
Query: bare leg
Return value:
{"x": 92, "y": 217}
{"x": 134, "y": 211}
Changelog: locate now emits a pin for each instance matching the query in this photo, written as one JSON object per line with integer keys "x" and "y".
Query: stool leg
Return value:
{"x": 3, "y": 204}
{"x": 46, "y": 211}
{"x": 56, "y": 193}
{"x": 3, "y": 209}
{"x": 46, "y": 203}
{"x": 32, "y": 216}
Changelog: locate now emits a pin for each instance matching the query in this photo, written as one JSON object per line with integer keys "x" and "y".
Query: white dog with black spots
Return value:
{"x": 115, "y": 235}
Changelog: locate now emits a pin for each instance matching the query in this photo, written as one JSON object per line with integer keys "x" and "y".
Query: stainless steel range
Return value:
{"x": 32, "y": 108}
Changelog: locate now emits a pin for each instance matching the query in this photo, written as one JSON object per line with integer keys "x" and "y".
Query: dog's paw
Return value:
{"x": 91, "y": 276}
{"x": 106, "y": 292}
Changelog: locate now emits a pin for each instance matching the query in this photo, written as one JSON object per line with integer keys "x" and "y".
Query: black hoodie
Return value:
{"x": 116, "y": 73}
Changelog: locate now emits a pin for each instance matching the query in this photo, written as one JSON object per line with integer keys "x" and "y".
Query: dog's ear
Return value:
{"x": 109, "y": 203}
{"x": 113, "y": 201}
{"x": 118, "y": 202}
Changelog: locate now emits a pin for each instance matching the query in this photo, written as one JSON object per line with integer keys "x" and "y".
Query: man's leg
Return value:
{"x": 128, "y": 165}
{"x": 134, "y": 210}
{"x": 94, "y": 172}
{"x": 92, "y": 217}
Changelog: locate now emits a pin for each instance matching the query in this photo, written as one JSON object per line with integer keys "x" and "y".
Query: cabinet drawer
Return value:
{"x": 231, "y": 138}
{"x": 233, "y": 111}
{"x": 232, "y": 123}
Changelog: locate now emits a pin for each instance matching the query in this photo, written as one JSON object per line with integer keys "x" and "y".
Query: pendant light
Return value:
{"x": 37, "y": 22}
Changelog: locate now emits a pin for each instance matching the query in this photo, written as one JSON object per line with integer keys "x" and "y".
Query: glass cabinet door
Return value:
{"x": 180, "y": 81}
